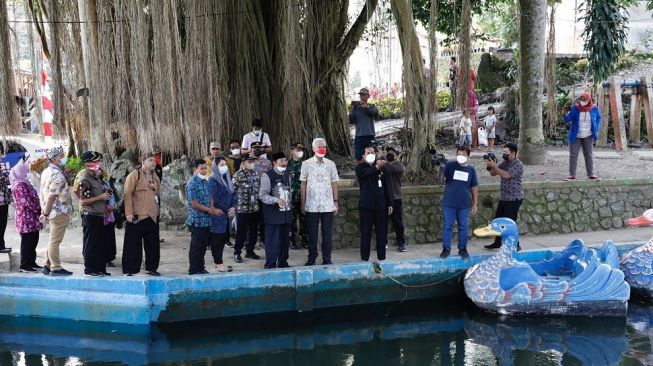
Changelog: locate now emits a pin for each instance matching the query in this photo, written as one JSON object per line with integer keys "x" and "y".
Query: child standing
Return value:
{"x": 490, "y": 126}
{"x": 465, "y": 129}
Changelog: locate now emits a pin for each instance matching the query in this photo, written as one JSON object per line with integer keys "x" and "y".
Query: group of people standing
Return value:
{"x": 52, "y": 204}
{"x": 281, "y": 199}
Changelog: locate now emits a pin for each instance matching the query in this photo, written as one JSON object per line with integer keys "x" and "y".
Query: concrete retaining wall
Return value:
{"x": 549, "y": 207}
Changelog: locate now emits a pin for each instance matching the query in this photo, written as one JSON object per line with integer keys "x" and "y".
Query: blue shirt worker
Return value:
{"x": 363, "y": 115}
{"x": 225, "y": 201}
{"x": 200, "y": 209}
{"x": 461, "y": 183}
{"x": 275, "y": 194}
{"x": 374, "y": 204}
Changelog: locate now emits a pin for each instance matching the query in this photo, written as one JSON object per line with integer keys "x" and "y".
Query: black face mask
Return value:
{"x": 258, "y": 153}
{"x": 506, "y": 156}
{"x": 390, "y": 157}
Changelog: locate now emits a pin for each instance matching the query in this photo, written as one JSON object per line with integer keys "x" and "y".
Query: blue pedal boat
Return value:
{"x": 580, "y": 281}
{"x": 637, "y": 264}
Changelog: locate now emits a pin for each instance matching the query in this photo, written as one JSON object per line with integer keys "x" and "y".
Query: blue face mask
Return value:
{"x": 223, "y": 170}
{"x": 63, "y": 161}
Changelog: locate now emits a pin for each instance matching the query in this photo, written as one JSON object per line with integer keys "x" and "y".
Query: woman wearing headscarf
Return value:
{"x": 225, "y": 201}
{"x": 28, "y": 210}
{"x": 585, "y": 120}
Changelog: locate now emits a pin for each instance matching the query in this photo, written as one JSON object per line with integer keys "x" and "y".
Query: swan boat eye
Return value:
{"x": 502, "y": 227}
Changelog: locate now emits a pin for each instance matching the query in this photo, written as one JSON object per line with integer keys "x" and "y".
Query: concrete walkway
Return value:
{"x": 174, "y": 250}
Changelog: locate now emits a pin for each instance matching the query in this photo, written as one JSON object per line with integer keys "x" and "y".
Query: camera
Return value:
{"x": 258, "y": 152}
{"x": 437, "y": 158}
{"x": 490, "y": 156}
{"x": 379, "y": 145}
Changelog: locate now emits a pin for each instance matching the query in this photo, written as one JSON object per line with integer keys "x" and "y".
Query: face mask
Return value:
{"x": 94, "y": 166}
{"x": 258, "y": 153}
{"x": 250, "y": 166}
{"x": 369, "y": 158}
{"x": 390, "y": 157}
{"x": 63, "y": 161}
{"x": 223, "y": 170}
{"x": 321, "y": 152}
{"x": 257, "y": 133}
{"x": 461, "y": 159}
{"x": 300, "y": 154}
{"x": 281, "y": 169}
{"x": 506, "y": 156}
{"x": 205, "y": 177}
{"x": 584, "y": 103}
{"x": 235, "y": 151}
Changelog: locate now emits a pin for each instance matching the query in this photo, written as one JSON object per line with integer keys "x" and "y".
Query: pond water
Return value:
{"x": 439, "y": 332}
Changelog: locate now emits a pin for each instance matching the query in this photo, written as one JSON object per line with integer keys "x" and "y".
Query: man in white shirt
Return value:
{"x": 319, "y": 199}
{"x": 257, "y": 135}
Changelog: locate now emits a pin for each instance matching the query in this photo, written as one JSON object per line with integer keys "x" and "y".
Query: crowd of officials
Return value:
{"x": 282, "y": 201}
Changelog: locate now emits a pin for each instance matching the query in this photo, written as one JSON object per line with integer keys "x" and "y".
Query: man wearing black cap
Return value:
{"x": 295, "y": 167}
{"x": 363, "y": 115}
{"x": 93, "y": 202}
{"x": 276, "y": 197}
{"x": 246, "y": 185}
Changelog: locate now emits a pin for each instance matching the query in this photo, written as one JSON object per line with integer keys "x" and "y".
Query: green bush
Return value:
{"x": 444, "y": 99}
{"x": 389, "y": 107}
{"x": 581, "y": 65}
{"x": 73, "y": 166}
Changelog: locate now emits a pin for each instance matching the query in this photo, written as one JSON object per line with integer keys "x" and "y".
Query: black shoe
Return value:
{"x": 60, "y": 272}
{"x": 252, "y": 256}
{"x": 238, "y": 258}
{"x": 463, "y": 253}
{"x": 36, "y": 266}
{"x": 110, "y": 264}
{"x": 93, "y": 274}
{"x": 203, "y": 271}
{"x": 283, "y": 265}
{"x": 106, "y": 273}
{"x": 229, "y": 244}
{"x": 326, "y": 262}
{"x": 5, "y": 250}
{"x": 153, "y": 273}
{"x": 445, "y": 253}
{"x": 45, "y": 270}
{"x": 28, "y": 270}
{"x": 492, "y": 246}
{"x": 310, "y": 263}
{"x": 402, "y": 248}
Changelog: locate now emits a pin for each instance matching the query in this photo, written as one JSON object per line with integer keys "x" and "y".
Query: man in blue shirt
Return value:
{"x": 363, "y": 115}
{"x": 460, "y": 182}
{"x": 200, "y": 209}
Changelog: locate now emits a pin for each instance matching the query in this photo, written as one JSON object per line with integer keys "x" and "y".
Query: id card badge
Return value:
{"x": 460, "y": 175}
{"x": 380, "y": 184}
{"x": 156, "y": 199}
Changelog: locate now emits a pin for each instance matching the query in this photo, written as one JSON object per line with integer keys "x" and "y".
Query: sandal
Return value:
{"x": 224, "y": 268}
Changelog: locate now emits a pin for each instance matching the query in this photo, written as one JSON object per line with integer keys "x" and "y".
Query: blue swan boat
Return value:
{"x": 578, "y": 281}
{"x": 637, "y": 264}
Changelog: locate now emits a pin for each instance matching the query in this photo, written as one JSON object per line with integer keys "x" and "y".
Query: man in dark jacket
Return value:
{"x": 395, "y": 170}
{"x": 375, "y": 203}
{"x": 275, "y": 194}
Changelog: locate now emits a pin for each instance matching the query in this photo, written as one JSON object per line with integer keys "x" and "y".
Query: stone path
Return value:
{"x": 174, "y": 251}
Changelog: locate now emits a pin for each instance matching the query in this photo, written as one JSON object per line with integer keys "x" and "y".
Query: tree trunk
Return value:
{"x": 464, "y": 54}
{"x": 552, "y": 116}
{"x": 59, "y": 123}
{"x": 8, "y": 114}
{"x": 417, "y": 99}
{"x": 532, "y": 32}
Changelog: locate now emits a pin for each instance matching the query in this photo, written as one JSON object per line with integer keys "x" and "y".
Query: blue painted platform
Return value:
{"x": 145, "y": 300}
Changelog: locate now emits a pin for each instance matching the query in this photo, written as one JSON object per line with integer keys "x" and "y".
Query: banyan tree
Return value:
{"x": 176, "y": 74}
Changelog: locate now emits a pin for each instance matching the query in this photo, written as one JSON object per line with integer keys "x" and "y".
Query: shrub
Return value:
{"x": 444, "y": 99}
{"x": 581, "y": 65}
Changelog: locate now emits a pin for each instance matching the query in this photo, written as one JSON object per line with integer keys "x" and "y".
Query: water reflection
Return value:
{"x": 418, "y": 335}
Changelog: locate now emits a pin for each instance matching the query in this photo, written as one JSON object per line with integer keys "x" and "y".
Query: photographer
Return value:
{"x": 257, "y": 135}
{"x": 363, "y": 115}
{"x": 512, "y": 194}
{"x": 395, "y": 170}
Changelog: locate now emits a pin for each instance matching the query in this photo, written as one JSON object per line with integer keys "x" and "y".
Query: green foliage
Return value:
{"x": 444, "y": 99}
{"x": 74, "y": 164}
{"x": 501, "y": 23}
{"x": 449, "y": 12}
{"x": 604, "y": 34}
{"x": 581, "y": 65}
{"x": 390, "y": 107}
{"x": 626, "y": 61}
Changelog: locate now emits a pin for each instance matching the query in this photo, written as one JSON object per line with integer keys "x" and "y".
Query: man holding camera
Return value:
{"x": 512, "y": 193}
{"x": 257, "y": 135}
{"x": 395, "y": 170}
{"x": 363, "y": 115}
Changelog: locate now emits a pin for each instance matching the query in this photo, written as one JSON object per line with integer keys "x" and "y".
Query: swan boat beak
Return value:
{"x": 483, "y": 232}
{"x": 642, "y": 220}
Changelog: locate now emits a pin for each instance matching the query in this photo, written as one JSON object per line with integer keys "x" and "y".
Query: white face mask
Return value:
{"x": 369, "y": 158}
{"x": 205, "y": 177}
{"x": 461, "y": 159}
{"x": 281, "y": 169}
{"x": 257, "y": 132}
{"x": 300, "y": 154}
{"x": 223, "y": 170}
{"x": 250, "y": 166}
{"x": 235, "y": 151}
{"x": 584, "y": 103}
